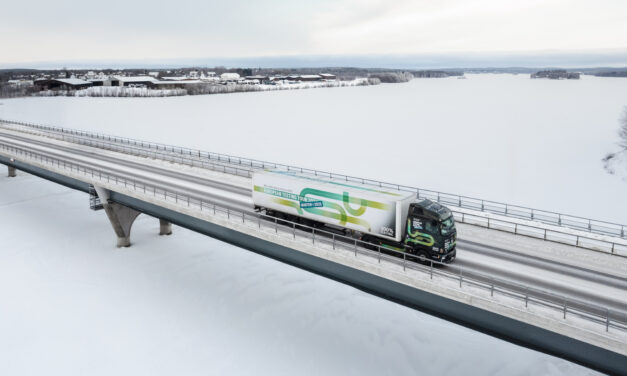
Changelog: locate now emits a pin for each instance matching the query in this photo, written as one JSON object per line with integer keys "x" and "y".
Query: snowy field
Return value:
{"x": 536, "y": 143}
{"x": 72, "y": 304}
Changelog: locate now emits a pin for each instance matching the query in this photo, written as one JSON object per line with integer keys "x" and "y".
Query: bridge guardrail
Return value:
{"x": 142, "y": 152}
{"x": 465, "y": 202}
{"x": 591, "y": 313}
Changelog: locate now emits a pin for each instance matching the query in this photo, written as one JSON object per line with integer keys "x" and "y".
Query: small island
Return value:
{"x": 556, "y": 74}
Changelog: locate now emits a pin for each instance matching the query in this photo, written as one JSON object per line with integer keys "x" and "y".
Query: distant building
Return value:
{"x": 62, "y": 84}
{"x": 171, "y": 84}
{"x": 259, "y": 79}
{"x": 308, "y": 77}
{"x": 153, "y": 74}
{"x": 229, "y": 77}
{"x": 174, "y": 78}
{"x": 136, "y": 81}
{"x": 213, "y": 78}
{"x": 20, "y": 83}
{"x": 100, "y": 81}
{"x": 328, "y": 76}
{"x": 278, "y": 78}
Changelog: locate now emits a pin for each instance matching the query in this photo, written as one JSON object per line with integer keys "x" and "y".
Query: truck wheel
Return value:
{"x": 423, "y": 257}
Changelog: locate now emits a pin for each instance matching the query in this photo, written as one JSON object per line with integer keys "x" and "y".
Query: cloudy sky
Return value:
{"x": 67, "y": 30}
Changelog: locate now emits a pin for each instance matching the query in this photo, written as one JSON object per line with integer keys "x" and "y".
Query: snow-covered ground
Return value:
{"x": 73, "y": 304}
{"x": 536, "y": 143}
{"x": 70, "y": 303}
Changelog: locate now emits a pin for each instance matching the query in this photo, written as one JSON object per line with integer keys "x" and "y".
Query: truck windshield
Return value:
{"x": 448, "y": 225}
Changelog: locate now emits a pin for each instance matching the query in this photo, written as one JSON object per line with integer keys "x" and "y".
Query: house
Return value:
{"x": 328, "y": 76}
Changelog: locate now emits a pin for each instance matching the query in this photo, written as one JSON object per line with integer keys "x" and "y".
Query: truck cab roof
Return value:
{"x": 430, "y": 209}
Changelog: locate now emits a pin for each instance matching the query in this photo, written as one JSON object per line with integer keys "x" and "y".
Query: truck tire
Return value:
{"x": 422, "y": 257}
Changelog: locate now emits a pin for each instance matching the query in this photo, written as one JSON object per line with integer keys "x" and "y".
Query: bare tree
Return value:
{"x": 612, "y": 159}
{"x": 622, "y": 133}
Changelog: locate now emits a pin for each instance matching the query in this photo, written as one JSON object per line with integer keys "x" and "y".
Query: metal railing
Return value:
{"x": 543, "y": 233}
{"x": 487, "y": 206}
{"x": 327, "y": 240}
{"x": 155, "y": 154}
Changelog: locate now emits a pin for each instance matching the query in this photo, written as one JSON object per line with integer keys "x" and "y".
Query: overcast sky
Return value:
{"x": 66, "y": 30}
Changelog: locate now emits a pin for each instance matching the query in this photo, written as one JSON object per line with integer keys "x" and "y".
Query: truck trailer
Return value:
{"x": 390, "y": 218}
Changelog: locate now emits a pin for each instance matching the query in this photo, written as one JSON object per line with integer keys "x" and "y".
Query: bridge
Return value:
{"x": 549, "y": 281}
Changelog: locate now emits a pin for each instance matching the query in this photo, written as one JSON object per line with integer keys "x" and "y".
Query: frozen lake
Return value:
{"x": 192, "y": 305}
{"x": 536, "y": 143}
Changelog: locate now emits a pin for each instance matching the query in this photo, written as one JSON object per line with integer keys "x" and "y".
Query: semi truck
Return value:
{"x": 389, "y": 218}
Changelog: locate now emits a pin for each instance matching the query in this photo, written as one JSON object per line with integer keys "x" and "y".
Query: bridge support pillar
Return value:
{"x": 120, "y": 216}
{"x": 165, "y": 227}
{"x": 11, "y": 172}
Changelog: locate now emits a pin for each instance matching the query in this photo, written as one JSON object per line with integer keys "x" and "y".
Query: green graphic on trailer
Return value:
{"x": 418, "y": 237}
{"x": 370, "y": 189}
{"x": 337, "y": 212}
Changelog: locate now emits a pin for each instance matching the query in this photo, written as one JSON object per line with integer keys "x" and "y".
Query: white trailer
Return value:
{"x": 371, "y": 210}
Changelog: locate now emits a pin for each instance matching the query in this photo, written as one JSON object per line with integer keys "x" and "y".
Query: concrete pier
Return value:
{"x": 165, "y": 227}
{"x": 11, "y": 172}
{"x": 120, "y": 216}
